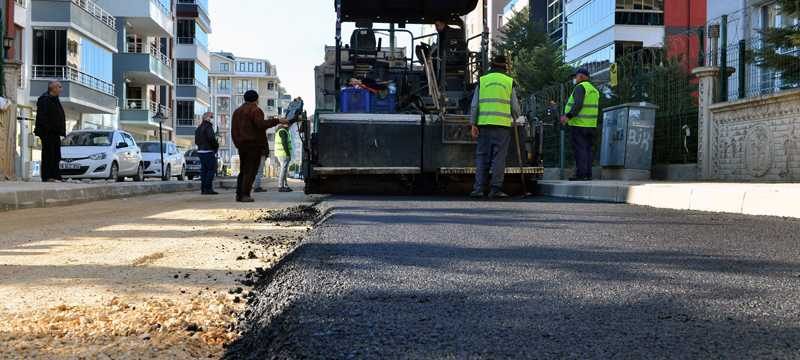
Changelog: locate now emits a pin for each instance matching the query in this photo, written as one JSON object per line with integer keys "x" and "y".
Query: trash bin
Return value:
{"x": 627, "y": 146}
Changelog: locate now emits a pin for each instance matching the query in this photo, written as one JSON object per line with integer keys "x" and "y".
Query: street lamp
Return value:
{"x": 159, "y": 117}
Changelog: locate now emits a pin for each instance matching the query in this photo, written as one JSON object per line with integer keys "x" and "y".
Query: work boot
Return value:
{"x": 245, "y": 199}
{"x": 498, "y": 195}
{"x": 286, "y": 189}
{"x": 476, "y": 194}
{"x": 212, "y": 192}
{"x": 259, "y": 190}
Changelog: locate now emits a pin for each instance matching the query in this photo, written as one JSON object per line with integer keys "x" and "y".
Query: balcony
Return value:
{"x": 197, "y": 9}
{"x": 144, "y": 67}
{"x": 85, "y": 16}
{"x": 145, "y": 17}
{"x": 140, "y": 113}
{"x": 190, "y": 48}
{"x": 194, "y": 89}
{"x": 82, "y": 92}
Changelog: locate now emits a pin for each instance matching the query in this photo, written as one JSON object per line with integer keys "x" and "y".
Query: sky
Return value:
{"x": 291, "y": 34}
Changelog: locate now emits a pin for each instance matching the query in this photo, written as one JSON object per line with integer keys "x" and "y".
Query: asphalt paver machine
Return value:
{"x": 422, "y": 144}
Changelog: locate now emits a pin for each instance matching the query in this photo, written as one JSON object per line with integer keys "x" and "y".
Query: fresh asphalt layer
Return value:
{"x": 535, "y": 279}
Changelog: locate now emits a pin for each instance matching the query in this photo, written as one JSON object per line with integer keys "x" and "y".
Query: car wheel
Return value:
{"x": 167, "y": 174}
{"x": 139, "y": 174}
{"x": 182, "y": 175}
{"x": 113, "y": 174}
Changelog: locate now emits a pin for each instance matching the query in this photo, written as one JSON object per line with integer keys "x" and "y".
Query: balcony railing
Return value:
{"x": 192, "y": 82}
{"x": 96, "y": 11}
{"x": 152, "y": 106}
{"x": 155, "y": 52}
{"x": 66, "y": 73}
{"x": 185, "y": 40}
{"x": 185, "y": 122}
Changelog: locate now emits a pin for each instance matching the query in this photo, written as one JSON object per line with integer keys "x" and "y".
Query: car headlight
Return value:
{"x": 99, "y": 156}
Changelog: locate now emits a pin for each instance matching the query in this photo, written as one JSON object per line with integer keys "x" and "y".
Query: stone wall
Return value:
{"x": 756, "y": 139}
{"x": 8, "y": 123}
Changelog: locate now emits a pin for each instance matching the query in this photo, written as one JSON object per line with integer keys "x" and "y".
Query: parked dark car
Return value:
{"x": 193, "y": 164}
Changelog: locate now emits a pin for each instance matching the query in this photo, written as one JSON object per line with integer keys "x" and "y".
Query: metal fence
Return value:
{"x": 648, "y": 75}
{"x": 754, "y": 69}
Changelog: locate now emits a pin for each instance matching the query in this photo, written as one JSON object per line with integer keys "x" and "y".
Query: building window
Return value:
{"x": 184, "y": 113}
{"x": 50, "y": 47}
{"x": 271, "y": 102}
{"x": 185, "y": 72}
{"x": 223, "y": 105}
{"x": 240, "y": 67}
{"x": 224, "y": 84}
{"x": 224, "y": 67}
{"x": 589, "y": 20}
{"x": 270, "y": 86}
{"x": 238, "y": 100}
{"x": 250, "y": 67}
{"x": 186, "y": 31}
{"x": 245, "y": 85}
{"x": 499, "y": 21}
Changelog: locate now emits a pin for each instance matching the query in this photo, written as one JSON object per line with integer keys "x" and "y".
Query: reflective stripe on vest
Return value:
{"x": 590, "y": 110}
{"x": 495, "y": 100}
{"x": 281, "y": 149}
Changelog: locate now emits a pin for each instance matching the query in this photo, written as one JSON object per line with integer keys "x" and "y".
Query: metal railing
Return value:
{"x": 192, "y": 82}
{"x": 98, "y": 12}
{"x": 187, "y": 40}
{"x": 156, "y": 53}
{"x": 66, "y": 73}
{"x": 185, "y": 122}
{"x": 143, "y": 105}
{"x": 755, "y": 69}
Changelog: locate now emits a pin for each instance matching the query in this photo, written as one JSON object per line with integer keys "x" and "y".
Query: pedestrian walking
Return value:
{"x": 494, "y": 106}
{"x": 248, "y": 130}
{"x": 51, "y": 126}
{"x": 207, "y": 146}
{"x": 283, "y": 152}
{"x": 260, "y": 174}
{"x": 580, "y": 115}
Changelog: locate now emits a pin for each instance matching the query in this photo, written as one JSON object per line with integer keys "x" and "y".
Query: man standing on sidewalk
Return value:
{"x": 207, "y": 147}
{"x": 51, "y": 125}
{"x": 249, "y": 132}
{"x": 494, "y": 106}
{"x": 581, "y": 114}
{"x": 283, "y": 151}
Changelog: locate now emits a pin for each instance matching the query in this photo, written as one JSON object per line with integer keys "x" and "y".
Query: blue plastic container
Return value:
{"x": 386, "y": 105}
{"x": 355, "y": 100}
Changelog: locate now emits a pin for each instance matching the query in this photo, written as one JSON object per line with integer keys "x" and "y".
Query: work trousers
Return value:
{"x": 260, "y": 172}
{"x": 248, "y": 169}
{"x": 51, "y": 157}
{"x": 582, "y": 143}
{"x": 283, "y": 181}
{"x": 493, "y": 143}
{"x": 208, "y": 167}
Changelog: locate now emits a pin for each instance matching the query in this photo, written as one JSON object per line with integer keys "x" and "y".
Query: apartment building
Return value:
{"x": 555, "y": 21}
{"x": 473, "y": 23}
{"x": 599, "y": 31}
{"x": 75, "y": 41}
{"x": 193, "y": 61}
{"x": 538, "y": 14}
{"x": 144, "y": 67}
{"x": 231, "y": 76}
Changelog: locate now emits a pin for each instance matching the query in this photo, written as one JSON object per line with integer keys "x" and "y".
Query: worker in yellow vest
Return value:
{"x": 494, "y": 107}
{"x": 283, "y": 151}
{"x": 581, "y": 112}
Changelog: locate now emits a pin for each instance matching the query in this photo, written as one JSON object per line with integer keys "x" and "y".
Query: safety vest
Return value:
{"x": 590, "y": 110}
{"x": 495, "y": 100}
{"x": 283, "y": 149}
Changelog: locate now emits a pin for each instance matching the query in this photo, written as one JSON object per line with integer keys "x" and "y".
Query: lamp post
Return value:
{"x": 159, "y": 116}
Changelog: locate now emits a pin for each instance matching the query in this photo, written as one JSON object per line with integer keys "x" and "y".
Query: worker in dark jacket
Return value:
{"x": 580, "y": 114}
{"x": 248, "y": 129}
{"x": 207, "y": 147}
{"x": 51, "y": 125}
{"x": 494, "y": 107}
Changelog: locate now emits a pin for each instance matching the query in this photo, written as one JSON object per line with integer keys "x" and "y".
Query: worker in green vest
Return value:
{"x": 581, "y": 115}
{"x": 494, "y": 107}
{"x": 283, "y": 152}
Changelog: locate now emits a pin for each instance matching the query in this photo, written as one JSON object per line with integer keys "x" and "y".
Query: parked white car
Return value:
{"x": 174, "y": 163}
{"x": 101, "y": 154}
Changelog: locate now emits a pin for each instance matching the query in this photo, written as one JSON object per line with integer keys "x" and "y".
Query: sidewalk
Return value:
{"x": 737, "y": 198}
{"x": 26, "y": 195}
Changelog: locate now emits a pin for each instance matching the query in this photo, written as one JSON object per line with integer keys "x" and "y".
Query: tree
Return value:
{"x": 779, "y": 51}
{"x": 537, "y": 62}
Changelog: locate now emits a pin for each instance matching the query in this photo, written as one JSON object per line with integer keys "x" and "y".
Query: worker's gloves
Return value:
{"x": 521, "y": 121}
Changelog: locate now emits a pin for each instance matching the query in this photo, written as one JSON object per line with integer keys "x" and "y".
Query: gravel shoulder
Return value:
{"x": 156, "y": 276}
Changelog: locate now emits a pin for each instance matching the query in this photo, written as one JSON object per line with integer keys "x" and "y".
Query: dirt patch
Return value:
{"x": 148, "y": 259}
{"x": 302, "y": 213}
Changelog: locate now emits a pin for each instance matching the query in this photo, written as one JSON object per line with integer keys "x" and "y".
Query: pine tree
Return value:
{"x": 537, "y": 62}
{"x": 776, "y": 52}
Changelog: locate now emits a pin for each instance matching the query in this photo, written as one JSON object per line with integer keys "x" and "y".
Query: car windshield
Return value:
{"x": 191, "y": 153}
{"x": 87, "y": 139}
{"x": 149, "y": 147}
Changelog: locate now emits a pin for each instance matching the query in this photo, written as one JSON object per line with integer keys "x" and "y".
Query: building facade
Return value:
{"x": 192, "y": 63}
{"x": 599, "y": 31}
{"x": 231, "y": 76}
{"x": 144, "y": 68}
{"x": 473, "y": 23}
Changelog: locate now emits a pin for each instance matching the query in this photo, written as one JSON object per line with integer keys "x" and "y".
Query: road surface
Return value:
{"x": 387, "y": 278}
